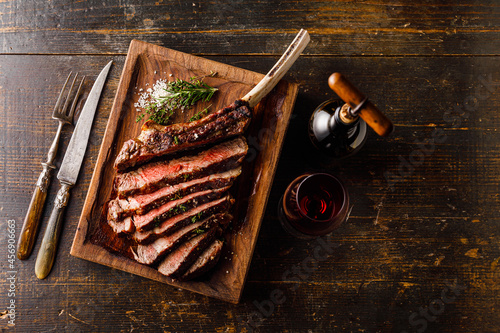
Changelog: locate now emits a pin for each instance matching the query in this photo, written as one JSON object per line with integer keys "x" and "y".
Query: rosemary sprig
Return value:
{"x": 196, "y": 217}
{"x": 178, "y": 95}
{"x": 200, "y": 114}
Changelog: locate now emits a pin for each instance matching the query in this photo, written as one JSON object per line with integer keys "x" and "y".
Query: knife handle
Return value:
{"x": 32, "y": 219}
{"x": 47, "y": 252}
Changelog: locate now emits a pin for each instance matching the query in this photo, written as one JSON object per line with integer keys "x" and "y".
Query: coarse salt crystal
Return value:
{"x": 153, "y": 95}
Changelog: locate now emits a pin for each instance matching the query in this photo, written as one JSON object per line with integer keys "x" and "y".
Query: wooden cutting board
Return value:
{"x": 145, "y": 64}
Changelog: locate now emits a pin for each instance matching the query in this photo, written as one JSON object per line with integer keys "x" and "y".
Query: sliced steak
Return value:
{"x": 142, "y": 203}
{"x": 157, "y": 140}
{"x": 151, "y": 177}
{"x": 175, "y": 223}
{"x": 124, "y": 226}
{"x": 155, "y": 217}
{"x": 205, "y": 262}
{"x": 177, "y": 262}
{"x": 151, "y": 253}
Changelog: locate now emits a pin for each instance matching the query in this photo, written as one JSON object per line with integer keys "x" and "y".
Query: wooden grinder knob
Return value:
{"x": 354, "y": 98}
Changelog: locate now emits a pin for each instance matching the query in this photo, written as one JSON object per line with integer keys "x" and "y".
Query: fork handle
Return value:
{"x": 55, "y": 143}
{"x": 47, "y": 251}
{"x": 32, "y": 219}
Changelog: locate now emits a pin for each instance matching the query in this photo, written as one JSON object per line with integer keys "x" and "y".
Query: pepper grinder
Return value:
{"x": 338, "y": 128}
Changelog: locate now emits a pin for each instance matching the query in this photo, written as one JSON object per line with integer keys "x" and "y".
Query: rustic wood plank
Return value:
{"x": 340, "y": 28}
{"x": 394, "y": 256}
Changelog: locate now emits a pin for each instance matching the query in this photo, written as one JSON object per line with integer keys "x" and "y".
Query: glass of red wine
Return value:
{"x": 313, "y": 205}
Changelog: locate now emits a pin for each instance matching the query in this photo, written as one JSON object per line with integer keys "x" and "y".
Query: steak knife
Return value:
{"x": 68, "y": 174}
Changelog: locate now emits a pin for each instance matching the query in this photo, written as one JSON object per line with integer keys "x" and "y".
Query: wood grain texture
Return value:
{"x": 399, "y": 249}
{"x": 393, "y": 256}
{"x": 145, "y": 64}
{"x": 340, "y": 28}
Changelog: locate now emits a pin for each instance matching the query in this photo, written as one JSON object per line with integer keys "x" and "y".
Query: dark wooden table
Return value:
{"x": 420, "y": 251}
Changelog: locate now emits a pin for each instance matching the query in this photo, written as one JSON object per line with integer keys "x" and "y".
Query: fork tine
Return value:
{"x": 66, "y": 103}
{"x": 75, "y": 99}
{"x": 59, "y": 99}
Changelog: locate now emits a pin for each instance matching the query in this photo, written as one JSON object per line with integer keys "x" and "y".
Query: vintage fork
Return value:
{"x": 31, "y": 221}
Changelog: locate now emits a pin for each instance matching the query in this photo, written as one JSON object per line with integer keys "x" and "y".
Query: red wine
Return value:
{"x": 313, "y": 205}
{"x": 318, "y": 205}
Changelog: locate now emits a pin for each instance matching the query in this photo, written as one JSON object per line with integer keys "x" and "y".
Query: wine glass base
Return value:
{"x": 288, "y": 228}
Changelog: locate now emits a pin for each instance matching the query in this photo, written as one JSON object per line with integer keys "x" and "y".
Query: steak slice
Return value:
{"x": 177, "y": 262}
{"x": 154, "y": 217}
{"x": 119, "y": 227}
{"x": 175, "y": 223}
{"x": 205, "y": 262}
{"x": 142, "y": 203}
{"x": 151, "y": 177}
{"x": 158, "y": 140}
{"x": 151, "y": 253}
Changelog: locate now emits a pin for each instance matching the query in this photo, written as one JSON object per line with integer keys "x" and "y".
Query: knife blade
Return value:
{"x": 68, "y": 174}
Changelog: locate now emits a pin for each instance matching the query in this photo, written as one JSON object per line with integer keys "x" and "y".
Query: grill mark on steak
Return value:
{"x": 153, "y": 176}
{"x": 151, "y": 253}
{"x": 157, "y": 140}
{"x": 141, "y": 225}
{"x": 178, "y": 261}
{"x": 173, "y": 208}
{"x": 142, "y": 203}
{"x": 175, "y": 223}
{"x": 205, "y": 262}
